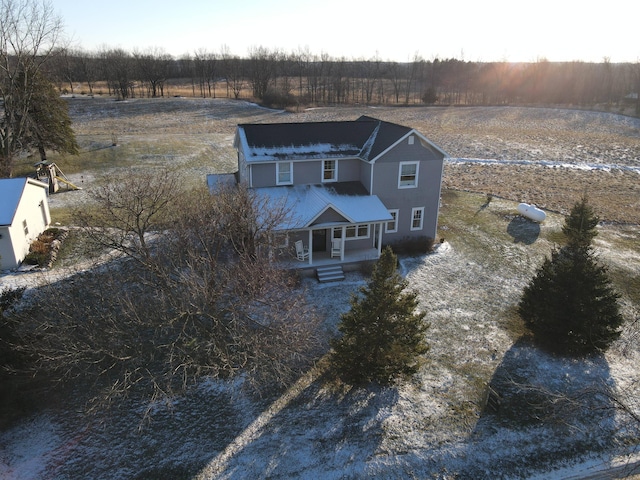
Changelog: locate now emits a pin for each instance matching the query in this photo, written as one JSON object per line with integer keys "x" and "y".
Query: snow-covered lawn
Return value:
{"x": 434, "y": 427}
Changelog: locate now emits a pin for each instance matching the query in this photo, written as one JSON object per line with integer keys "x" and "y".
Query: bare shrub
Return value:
{"x": 194, "y": 294}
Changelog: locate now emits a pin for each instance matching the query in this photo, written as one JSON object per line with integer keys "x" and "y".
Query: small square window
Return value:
{"x": 408, "y": 175}
{"x": 417, "y": 218}
{"x": 329, "y": 171}
{"x": 392, "y": 225}
{"x": 283, "y": 173}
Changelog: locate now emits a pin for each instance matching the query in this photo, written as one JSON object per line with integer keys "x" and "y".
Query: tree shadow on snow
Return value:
{"x": 523, "y": 230}
{"x": 320, "y": 434}
{"x": 541, "y": 409}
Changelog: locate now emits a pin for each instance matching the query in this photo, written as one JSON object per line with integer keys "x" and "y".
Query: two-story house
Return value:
{"x": 349, "y": 187}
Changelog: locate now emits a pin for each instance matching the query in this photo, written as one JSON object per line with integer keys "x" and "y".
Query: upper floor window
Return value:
{"x": 411, "y": 139}
{"x": 25, "y": 227}
{"x": 284, "y": 173}
{"x": 392, "y": 225}
{"x": 417, "y": 218}
{"x": 329, "y": 171}
{"x": 408, "y": 175}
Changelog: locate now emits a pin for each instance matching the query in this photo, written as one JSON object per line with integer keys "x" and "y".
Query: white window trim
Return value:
{"x": 335, "y": 172}
{"x": 413, "y": 212}
{"x": 394, "y": 212}
{"x": 290, "y": 182}
{"x": 415, "y": 183}
{"x": 278, "y": 166}
{"x": 338, "y": 231}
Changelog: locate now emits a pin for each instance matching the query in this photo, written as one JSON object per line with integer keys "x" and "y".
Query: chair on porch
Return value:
{"x": 302, "y": 252}
{"x": 336, "y": 251}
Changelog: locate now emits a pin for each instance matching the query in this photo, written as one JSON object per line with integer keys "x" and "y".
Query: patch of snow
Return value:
{"x": 27, "y": 449}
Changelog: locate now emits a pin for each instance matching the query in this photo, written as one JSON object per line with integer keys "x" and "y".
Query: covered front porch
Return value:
{"x": 333, "y": 245}
{"x": 324, "y": 259}
{"x": 326, "y": 224}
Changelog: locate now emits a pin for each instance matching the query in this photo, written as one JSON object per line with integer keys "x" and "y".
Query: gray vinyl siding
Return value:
{"x": 307, "y": 172}
{"x": 365, "y": 175}
{"x": 264, "y": 175}
{"x": 349, "y": 170}
{"x": 303, "y": 173}
{"x": 350, "y": 245}
{"x": 426, "y": 194}
{"x": 330, "y": 216}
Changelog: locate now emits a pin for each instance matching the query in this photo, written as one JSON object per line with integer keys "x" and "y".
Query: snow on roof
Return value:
{"x": 320, "y": 150}
{"x": 10, "y": 193}
{"x": 303, "y": 204}
{"x": 365, "y": 138}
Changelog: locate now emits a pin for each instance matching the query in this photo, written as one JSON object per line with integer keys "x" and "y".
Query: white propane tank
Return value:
{"x": 531, "y": 212}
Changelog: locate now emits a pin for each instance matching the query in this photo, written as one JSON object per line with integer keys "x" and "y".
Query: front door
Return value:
{"x": 320, "y": 240}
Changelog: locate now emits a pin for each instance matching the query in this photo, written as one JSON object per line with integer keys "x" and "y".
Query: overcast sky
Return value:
{"x": 476, "y": 30}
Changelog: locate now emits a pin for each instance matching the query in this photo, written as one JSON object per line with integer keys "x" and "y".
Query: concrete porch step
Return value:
{"x": 331, "y": 273}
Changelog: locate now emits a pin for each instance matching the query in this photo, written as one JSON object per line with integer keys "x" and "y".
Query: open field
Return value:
{"x": 533, "y": 146}
{"x": 436, "y": 426}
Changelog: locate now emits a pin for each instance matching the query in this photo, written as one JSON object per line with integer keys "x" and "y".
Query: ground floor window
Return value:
{"x": 417, "y": 218}
{"x": 392, "y": 225}
{"x": 281, "y": 240}
{"x": 352, "y": 232}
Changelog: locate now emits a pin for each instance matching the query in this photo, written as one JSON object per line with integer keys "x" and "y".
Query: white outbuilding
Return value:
{"x": 24, "y": 214}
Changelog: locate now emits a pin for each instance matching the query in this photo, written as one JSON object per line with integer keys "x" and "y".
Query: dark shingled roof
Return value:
{"x": 365, "y": 137}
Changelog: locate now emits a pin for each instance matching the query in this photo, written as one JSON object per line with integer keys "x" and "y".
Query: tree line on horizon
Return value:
{"x": 302, "y": 78}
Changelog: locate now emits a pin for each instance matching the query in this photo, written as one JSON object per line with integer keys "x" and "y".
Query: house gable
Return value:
{"x": 24, "y": 214}
{"x": 11, "y": 190}
{"x": 329, "y": 216}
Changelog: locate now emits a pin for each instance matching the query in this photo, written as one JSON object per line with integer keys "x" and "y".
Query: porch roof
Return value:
{"x": 303, "y": 204}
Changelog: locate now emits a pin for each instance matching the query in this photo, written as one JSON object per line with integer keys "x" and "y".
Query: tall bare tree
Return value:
{"x": 153, "y": 69}
{"x": 262, "y": 69}
{"x": 234, "y": 72}
{"x": 29, "y": 34}
{"x": 118, "y": 70}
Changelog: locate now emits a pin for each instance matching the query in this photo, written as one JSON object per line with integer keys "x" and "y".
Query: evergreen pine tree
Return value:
{"x": 580, "y": 225}
{"x": 570, "y": 305}
{"x": 383, "y": 334}
{"x": 48, "y": 122}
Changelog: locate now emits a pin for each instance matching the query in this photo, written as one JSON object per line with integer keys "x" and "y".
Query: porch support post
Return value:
{"x": 380, "y": 239}
{"x": 342, "y": 237}
{"x": 310, "y": 243}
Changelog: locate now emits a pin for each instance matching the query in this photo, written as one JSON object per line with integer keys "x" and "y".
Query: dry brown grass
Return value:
{"x": 614, "y": 194}
{"x": 197, "y": 134}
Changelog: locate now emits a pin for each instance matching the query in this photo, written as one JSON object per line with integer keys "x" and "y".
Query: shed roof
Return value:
{"x": 305, "y": 203}
{"x": 11, "y": 190}
{"x": 365, "y": 138}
